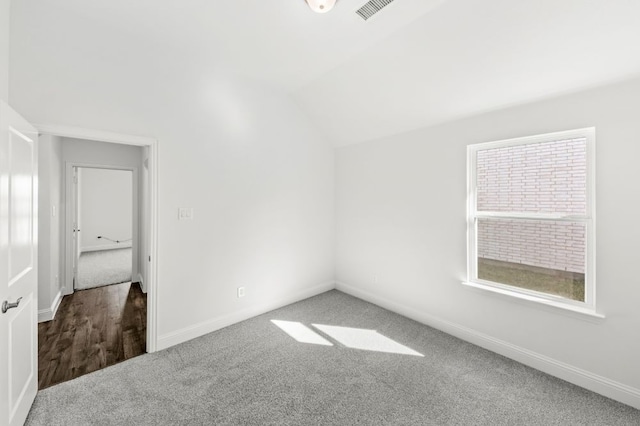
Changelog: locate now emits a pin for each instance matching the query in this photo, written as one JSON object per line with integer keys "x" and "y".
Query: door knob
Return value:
{"x": 6, "y": 305}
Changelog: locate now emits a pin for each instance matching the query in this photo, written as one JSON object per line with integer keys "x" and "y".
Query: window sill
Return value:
{"x": 582, "y": 311}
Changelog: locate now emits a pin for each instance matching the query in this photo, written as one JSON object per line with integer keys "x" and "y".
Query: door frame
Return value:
{"x": 152, "y": 144}
{"x": 73, "y": 208}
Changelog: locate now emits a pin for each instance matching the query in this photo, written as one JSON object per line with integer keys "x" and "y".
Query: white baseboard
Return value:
{"x": 586, "y": 379}
{"x": 140, "y": 280}
{"x": 197, "y": 330}
{"x": 49, "y": 313}
{"x": 67, "y": 290}
{"x": 105, "y": 247}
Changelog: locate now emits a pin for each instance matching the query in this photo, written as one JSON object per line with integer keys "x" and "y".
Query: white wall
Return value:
{"x": 100, "y": 153}
{"x": 256, "y": 172}
{"x": 401, "y": 236}
{"x": 50, "y": 222}
{"x": 5, "y": 6}
{"x": 106, "y": 208}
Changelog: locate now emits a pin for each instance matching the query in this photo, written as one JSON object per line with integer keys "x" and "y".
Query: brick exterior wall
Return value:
{"x": 547, "y": 177}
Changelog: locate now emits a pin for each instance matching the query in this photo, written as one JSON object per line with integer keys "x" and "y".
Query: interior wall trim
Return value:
{"x": 205, "y": 327}
{"x": 94, "y": 135}
{"x": 105, "y": 136}
{"x": 140, "y": 280}
{"x": 580, "y": 377}
{"x": 49, "y": 313}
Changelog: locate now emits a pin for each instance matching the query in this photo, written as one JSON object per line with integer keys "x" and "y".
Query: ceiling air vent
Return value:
{"x": 371, "y": 8}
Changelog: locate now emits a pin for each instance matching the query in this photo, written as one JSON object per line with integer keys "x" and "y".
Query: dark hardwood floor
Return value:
{"x": 93, "y": 329}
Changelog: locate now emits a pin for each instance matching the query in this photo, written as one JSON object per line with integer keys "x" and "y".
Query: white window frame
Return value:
{"x": 589, "y": 304}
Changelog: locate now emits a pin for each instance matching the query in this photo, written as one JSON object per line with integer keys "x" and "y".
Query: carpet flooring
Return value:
{"x": 103, "y": 267}
{"x": 362, "y": 365}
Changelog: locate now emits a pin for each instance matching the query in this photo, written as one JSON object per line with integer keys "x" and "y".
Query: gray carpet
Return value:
{"x": 104, "y": 267}
{"x": 254, "y": 373}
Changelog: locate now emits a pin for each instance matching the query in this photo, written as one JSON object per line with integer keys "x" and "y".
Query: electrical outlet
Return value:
{"x": 240, "y": 292}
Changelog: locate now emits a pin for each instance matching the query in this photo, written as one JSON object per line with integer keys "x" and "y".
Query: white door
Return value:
{"x": 18, "y": 267}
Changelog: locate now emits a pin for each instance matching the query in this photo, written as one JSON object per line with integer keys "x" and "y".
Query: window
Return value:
{"x": 530, "y": 218}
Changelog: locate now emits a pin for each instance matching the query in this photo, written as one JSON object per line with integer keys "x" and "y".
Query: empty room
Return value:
{"x": 319, "y": 212}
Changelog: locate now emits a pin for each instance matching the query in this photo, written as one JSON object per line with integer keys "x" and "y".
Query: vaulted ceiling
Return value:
{"x": 416, "y": 63}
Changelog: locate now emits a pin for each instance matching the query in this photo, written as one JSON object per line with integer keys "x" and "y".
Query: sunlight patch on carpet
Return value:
{"x": 301, "y": 333}
{"x": 353, "y": 338}
{"x": 368, "y": 340}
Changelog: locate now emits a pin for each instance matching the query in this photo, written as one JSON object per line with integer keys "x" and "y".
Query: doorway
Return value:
{"x": 108, "y": 229}
{"x": 105, "y": 205}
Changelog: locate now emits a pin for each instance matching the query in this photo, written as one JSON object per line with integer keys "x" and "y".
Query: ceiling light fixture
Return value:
{"x": 321, "y": 6}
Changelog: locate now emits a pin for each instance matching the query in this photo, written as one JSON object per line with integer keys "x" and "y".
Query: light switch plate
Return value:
{"x": 185, "y": 213}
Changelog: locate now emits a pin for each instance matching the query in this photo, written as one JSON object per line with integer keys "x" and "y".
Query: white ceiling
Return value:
{"x": 281, "y": 42}
{"x": 416, "y": 63}
{"x": 468, "y": 56}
